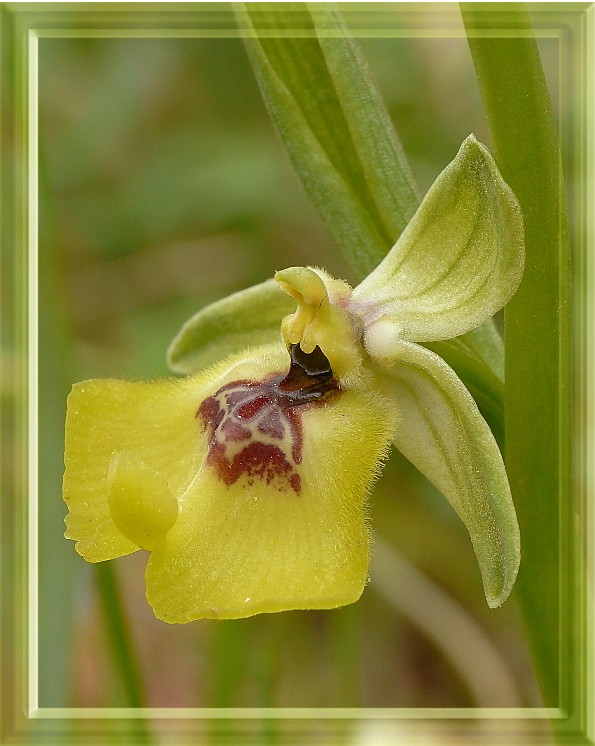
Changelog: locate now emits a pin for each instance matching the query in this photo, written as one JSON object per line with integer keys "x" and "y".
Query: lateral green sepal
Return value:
{"x": 477, "y": 357}
{"x": 248, "y": 318}
{"x": 442, "y": 433}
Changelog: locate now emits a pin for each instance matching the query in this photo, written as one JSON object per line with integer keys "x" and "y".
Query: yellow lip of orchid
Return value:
{"x": 262, "y": 523}
{"x": 248, "y": 480}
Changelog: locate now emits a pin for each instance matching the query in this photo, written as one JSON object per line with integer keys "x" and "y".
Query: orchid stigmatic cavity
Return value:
{"x": 248, "y": 479}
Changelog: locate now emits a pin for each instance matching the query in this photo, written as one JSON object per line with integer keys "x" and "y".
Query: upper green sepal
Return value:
{"x": 459, "y": 260}
{"x": 249, "y": 318}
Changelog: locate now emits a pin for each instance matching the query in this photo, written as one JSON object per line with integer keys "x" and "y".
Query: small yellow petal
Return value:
{"x": 140, "y": 501}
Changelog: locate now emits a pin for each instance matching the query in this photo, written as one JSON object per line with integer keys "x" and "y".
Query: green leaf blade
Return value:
{"x": 537, "y": 321}
{"x": 335, "y": 140}
{"x": 388, "y": 174}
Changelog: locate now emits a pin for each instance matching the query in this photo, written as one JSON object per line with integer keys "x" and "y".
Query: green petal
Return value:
{"x": 249, "y": 318}
{"x": 251, "y": 546}
{"x": 442, "y": 433}
{"x": 459, "y": 260}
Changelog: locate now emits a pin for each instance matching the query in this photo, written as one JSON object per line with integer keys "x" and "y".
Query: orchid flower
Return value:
{"x": 248, "y": 479}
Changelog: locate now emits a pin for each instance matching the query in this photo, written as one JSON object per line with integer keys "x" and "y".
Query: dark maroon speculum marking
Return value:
{"x": 255, "y": 427}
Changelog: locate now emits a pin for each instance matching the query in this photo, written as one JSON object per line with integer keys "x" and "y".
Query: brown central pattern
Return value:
{"x": 255, "y": 427}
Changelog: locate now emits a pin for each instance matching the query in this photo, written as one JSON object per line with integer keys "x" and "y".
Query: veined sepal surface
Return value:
{"x": 441, "y": 431}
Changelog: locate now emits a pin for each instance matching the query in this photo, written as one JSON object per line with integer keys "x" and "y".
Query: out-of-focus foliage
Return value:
{"x": 165, "y": 188}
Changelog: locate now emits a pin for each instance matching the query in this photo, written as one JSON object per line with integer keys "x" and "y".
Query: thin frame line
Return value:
{"x": 302, "y": 713}
{"x": 34, "y": 711}
{"x": 32, "y": 56}
{"x": 589, "y": 355}
{"x": 226, "y": 33}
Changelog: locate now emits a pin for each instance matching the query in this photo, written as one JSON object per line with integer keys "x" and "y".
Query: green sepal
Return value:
{"x": 478, "y": 359}
{"x": 248, "y": 318}
{"x": 459, "y": 260}
{"x": 442, "y": 433}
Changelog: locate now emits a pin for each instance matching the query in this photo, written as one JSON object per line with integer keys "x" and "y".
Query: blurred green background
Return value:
{"x": 163, "y": 188}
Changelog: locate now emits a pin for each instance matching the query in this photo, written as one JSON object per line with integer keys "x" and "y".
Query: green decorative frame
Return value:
{"x": 22, "y": 719}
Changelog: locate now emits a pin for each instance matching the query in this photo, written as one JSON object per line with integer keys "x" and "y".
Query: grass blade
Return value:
{"x": 334, "y": 125}
{"x": 538, "y": 317}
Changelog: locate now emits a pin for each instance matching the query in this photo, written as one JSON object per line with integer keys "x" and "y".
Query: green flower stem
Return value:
{"x": 118, "y": 633}
{"x": 537, "y": 326}
{"x": 227, "y": 663}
